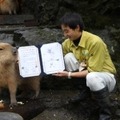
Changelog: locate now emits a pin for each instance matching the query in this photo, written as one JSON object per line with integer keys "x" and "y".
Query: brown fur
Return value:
{"x": 9, "y": 74}
{"x": 9, "y": 6}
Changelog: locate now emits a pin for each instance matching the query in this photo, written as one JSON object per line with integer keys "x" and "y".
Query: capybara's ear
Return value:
{"x": 14, "y": 50}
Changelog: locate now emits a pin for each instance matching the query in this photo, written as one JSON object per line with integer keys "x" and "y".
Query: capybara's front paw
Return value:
{"x": 13, "y": 104}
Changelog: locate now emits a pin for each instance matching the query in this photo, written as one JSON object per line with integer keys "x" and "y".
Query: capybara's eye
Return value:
{"x": 1, "y": 48}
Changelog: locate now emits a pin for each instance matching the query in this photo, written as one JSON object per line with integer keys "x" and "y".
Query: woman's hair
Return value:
{"x": 72, "y": 20}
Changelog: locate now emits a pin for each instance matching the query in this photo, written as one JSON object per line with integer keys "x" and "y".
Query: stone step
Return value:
{"x": 27, "y": 20}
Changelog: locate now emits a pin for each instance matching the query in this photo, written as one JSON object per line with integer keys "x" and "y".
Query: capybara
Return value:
{"x": 9, "y": 6}
{"x": 9, "y": 73}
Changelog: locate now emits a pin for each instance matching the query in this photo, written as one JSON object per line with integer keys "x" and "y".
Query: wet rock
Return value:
{"x": 55, "y": 114}
{"x": 36, "y": 36}
{"x": 10, "y": 116}
{"x": 6, "y": 38}
{"x": 118, "y": 113}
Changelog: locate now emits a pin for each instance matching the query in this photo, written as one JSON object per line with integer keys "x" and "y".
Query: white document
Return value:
{"x": 52, "y": 58}
{"x": 29, "y": 62}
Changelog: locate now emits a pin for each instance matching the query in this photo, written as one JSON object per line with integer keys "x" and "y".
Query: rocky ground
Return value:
{"x": 54, "y": 105}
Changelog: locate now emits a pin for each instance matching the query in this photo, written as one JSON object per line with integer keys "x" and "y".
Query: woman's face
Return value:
{"x": 72, "y": 34}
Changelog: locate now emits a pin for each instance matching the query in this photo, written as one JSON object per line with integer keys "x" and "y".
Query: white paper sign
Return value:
{"x": 52, "y": 58}
{"x": 29, "y": 62}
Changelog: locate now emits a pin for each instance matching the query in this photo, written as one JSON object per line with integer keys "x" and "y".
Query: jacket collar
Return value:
{"x": 82, "y": 40}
